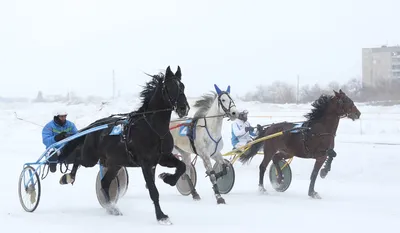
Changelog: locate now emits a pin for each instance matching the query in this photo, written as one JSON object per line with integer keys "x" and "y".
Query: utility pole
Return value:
{"x": 298, "y": 91}
{"x": 113, "y": 85}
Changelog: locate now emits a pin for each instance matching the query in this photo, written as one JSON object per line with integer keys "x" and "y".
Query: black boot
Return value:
{"x": 52, "y": 161}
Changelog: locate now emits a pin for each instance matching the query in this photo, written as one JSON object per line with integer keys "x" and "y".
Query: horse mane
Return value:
{"x": 320, "y": 105}
{"x": 149, "y": 89}
{"x": 204, "y": 104}
{"x": 146, "y": 94}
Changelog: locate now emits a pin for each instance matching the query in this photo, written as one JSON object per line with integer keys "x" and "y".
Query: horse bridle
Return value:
{"x": 231, "y": 104}
{"x": 227, "y": 113}
{"x": 174, "y": 104}
{"x": 341, "y": 103}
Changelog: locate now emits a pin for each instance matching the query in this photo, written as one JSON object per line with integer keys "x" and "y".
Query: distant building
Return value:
{"x": 380, "y": 64}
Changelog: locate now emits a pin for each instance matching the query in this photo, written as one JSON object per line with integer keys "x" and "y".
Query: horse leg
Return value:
{"x": 154, "y": 195}
{"x": 217, "y": 157}
{"x": 171, "y": 161}
{"x": 324, "y": 171}
{"x": 263, "y": 166}
{"x": 108, "y": 177}
{"x": 70, "y": 177}
{"x": 153, "y": 170}
{"x": 187, "y": 160}
{"x": 319, "y": 161}
{"x": 210, "y": 172}
{"x": 186, "y": 157}
{"x": 278, "y": 157}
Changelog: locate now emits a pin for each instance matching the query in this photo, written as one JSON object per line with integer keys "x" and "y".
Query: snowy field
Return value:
{"x": 360, "y": 194}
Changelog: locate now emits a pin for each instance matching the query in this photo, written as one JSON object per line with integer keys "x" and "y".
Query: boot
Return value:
{"x": 52, "y": 161}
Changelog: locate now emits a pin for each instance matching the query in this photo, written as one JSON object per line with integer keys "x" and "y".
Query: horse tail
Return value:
{"x": 254, "y": 148}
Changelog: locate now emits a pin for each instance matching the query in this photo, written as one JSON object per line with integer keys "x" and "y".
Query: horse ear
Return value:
{"x": 217, "y": 89}
{"x": 168, "y": 72}
{"x": 228, "y": 89}
{"x": 178, "y": 73}
{"x": 341, "y": 92}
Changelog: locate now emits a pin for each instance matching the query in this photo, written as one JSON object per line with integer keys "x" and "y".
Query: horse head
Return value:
{"x": 345, "y": 106}
{"x": 175, "y": 91}
{"x": 226, "y": 102}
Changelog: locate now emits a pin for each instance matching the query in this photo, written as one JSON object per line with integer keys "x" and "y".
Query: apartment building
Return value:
{"x": 381, "y": 63}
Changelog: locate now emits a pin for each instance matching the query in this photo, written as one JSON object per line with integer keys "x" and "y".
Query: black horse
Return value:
{"x": 145, "y": 140}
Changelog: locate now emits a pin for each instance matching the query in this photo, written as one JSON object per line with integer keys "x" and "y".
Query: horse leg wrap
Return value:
{"x": 331, "y": 154}
{"x": 210, "y": 173}
{"x": 327, "y": 167}
{"x": 216, "y": 190}
{"x": 328, "y": 164}
{"x": 223, "y": 172}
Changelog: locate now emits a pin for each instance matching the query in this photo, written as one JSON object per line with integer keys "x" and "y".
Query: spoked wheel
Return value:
{"x": 286, "y": 175}
{"x": 182, "y": 185}
{"x": 226, "y": 182}
{"x": 118, "y": 186}
{"x": 29, "y": 189}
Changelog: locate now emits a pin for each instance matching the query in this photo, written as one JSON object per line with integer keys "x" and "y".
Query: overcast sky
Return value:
{"x": 56, "y": 46}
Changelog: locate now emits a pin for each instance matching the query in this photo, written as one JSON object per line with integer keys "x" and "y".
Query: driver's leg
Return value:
{"x": 52, "y": 160}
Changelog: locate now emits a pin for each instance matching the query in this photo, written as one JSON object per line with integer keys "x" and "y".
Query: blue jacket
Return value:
{"x": 51, "y": 129}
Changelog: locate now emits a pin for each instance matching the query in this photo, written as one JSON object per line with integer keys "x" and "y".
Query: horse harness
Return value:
{"x": 191, "y": 133}
{"x": 306, "y": 136}
{"x": 133, "y": 118}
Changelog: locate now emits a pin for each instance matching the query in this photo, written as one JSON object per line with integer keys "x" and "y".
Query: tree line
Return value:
{"x": 385, "y": 91}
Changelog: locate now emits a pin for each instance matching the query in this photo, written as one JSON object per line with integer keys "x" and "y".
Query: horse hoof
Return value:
{"x": 315, "y": 195}
{"x": 66, "y": 179}
{"x": 196, "y": 197}
{"x": 262, "y": 190}
{"x": 112, "y": 210}
{"x": 220, "y": 201}
{"x": 165, "y": 221}
{"x": 168, "y": 178}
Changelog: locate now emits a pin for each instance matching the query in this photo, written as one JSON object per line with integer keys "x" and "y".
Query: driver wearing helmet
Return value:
{"x": 54, "y": 131}
{"x": 241, "y": 130}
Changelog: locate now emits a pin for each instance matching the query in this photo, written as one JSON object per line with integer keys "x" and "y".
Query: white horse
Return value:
{"x": 204, "y": 136}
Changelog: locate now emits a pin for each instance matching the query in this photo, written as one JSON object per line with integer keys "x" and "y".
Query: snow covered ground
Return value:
{"x": 360, "y": 194}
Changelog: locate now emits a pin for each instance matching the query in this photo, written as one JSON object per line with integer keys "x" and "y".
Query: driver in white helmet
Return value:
{"x": 56, "y": 130}
{"x": 242, "y": 130}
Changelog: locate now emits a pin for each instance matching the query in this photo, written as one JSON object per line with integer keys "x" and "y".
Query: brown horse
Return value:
{"x": 316, "y": 143}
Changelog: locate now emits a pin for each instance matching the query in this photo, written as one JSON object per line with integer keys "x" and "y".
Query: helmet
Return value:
{"x": 243, "y": 115}
{"x": 60, "y": 112}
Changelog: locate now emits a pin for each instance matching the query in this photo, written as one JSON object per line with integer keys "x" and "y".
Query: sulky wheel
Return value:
{"x": 226, "y": 182}
{"x": 286, "y": 173}
{"x": 29, "y": 189}
{"x": 124, "y": 180}
{"x": 182, "y": 185}
{"x": 118, "y": 186}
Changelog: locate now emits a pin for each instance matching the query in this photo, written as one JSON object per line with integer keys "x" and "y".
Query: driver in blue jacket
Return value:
{"x": 54, "y": 131}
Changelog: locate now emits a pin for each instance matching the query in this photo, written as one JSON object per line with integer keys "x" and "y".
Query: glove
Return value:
{"x": 60, "y": 136}
{"x": 247, "y": 129}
